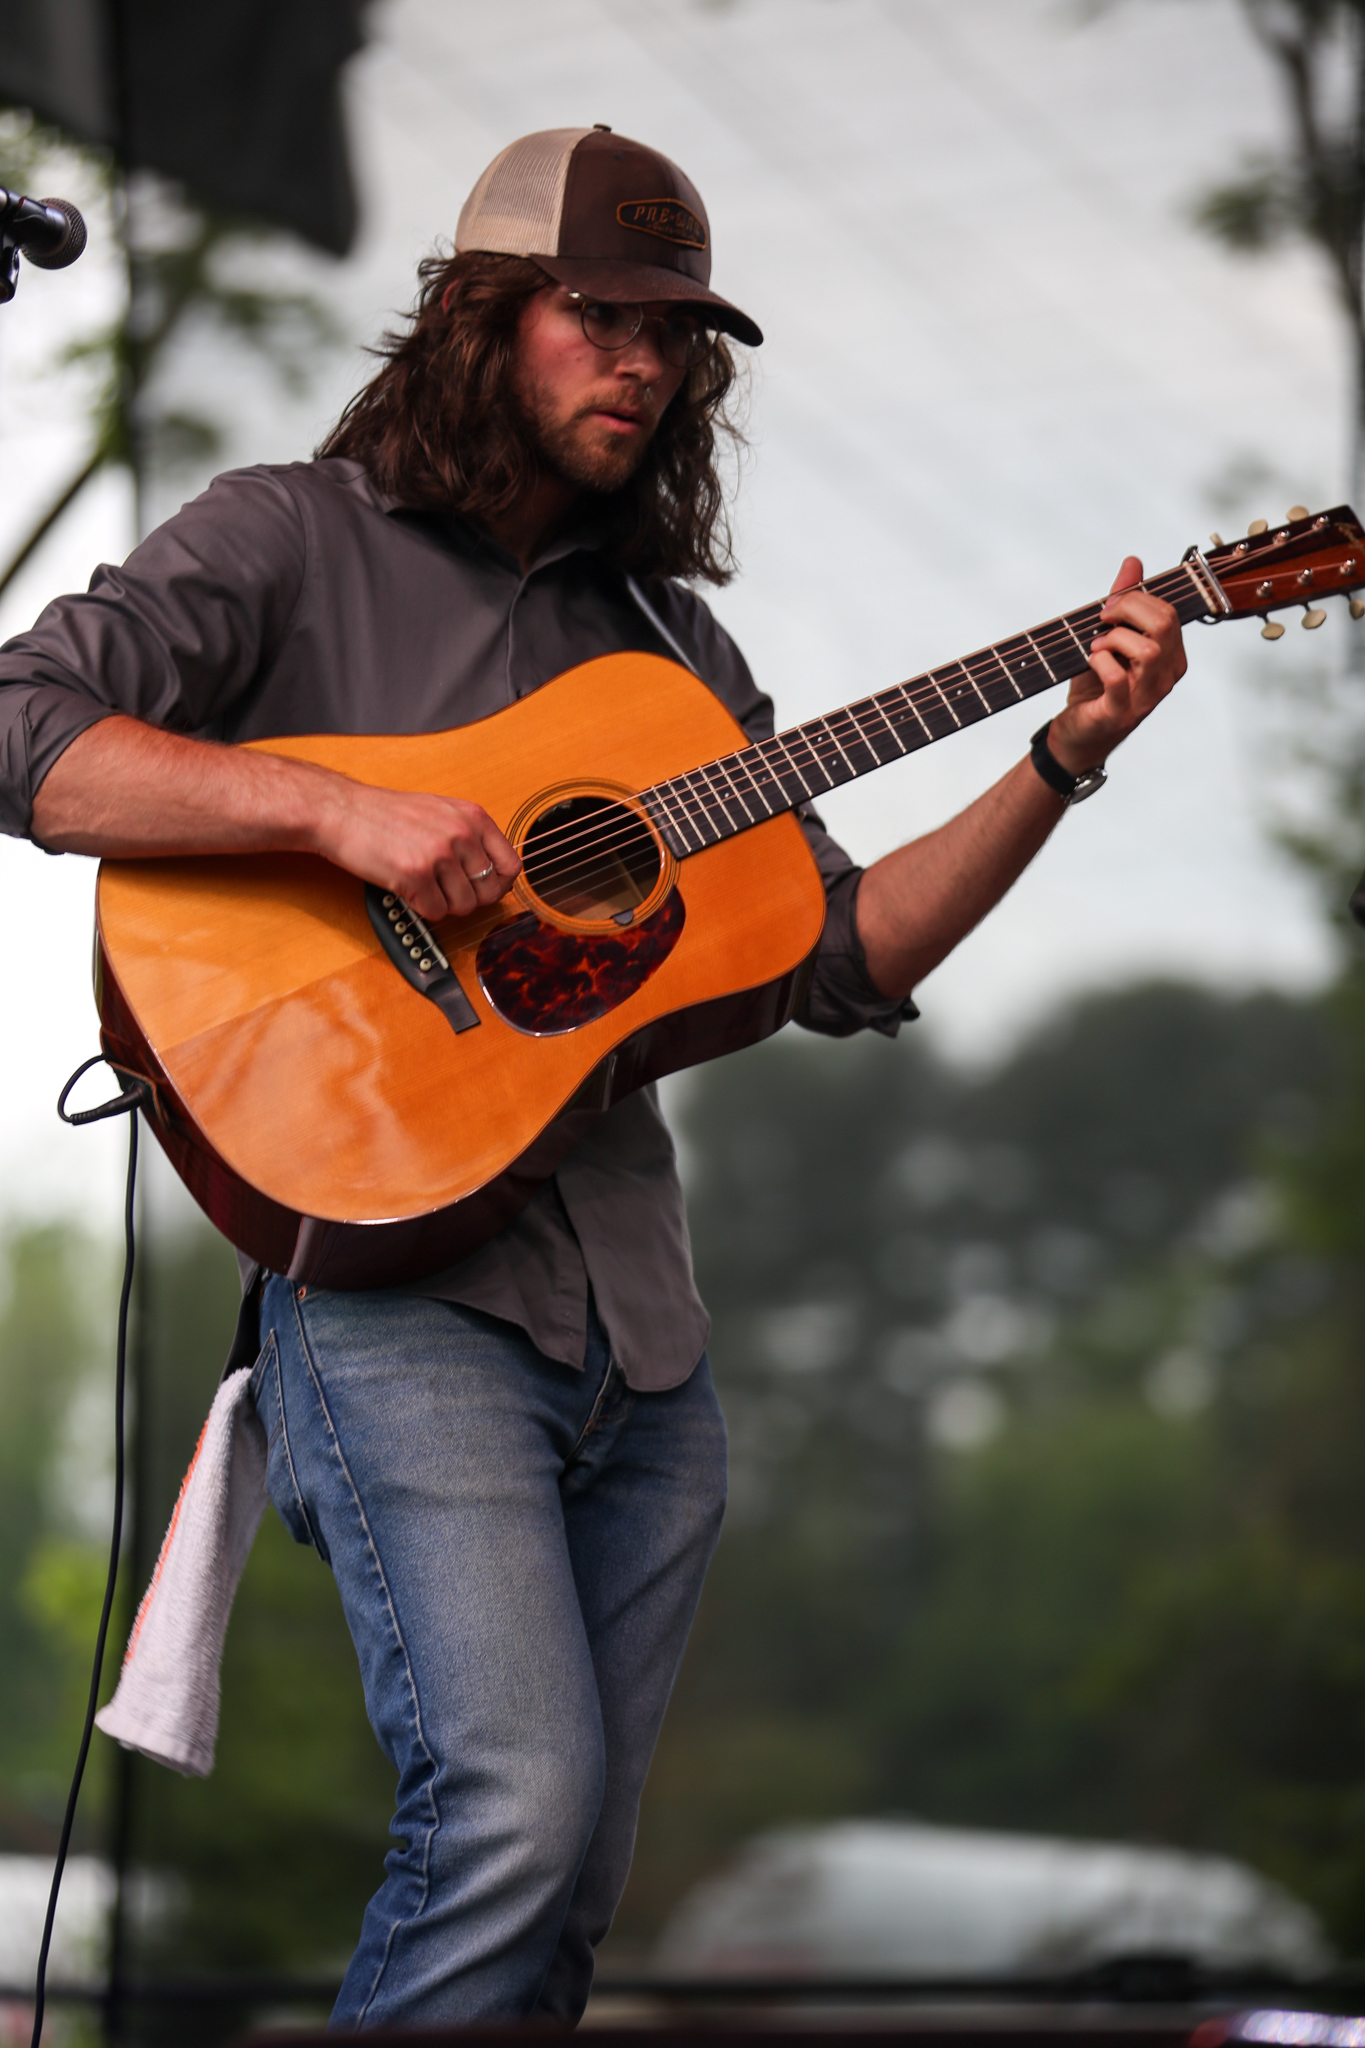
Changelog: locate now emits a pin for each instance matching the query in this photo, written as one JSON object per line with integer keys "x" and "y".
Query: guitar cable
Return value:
{"x": 134, "y": 1095}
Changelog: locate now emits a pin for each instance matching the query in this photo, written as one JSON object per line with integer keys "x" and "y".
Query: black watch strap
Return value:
{"x": 1072, "y": 789}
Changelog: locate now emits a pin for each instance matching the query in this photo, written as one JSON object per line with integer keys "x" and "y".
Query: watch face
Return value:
{"x": 1088, "y": 783}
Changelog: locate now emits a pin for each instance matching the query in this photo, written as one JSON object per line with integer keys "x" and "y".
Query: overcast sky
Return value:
{"x": 998, "y": 357}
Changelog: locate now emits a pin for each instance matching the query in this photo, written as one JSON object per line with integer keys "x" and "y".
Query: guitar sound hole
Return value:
{"x": 590, "y": 858}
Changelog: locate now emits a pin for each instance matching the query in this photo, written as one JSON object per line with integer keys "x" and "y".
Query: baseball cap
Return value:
{"x": 601, "y": 215}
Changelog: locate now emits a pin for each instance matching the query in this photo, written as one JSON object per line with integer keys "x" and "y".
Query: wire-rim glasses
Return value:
{"x": 683, "y": 340}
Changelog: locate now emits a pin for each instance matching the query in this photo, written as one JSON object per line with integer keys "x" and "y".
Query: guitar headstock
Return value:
{"x": 1320, "y": 554}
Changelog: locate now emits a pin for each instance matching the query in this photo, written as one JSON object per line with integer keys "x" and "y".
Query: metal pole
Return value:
{"x": 127, "y": 1764}
{"x": 126, "y": 1770}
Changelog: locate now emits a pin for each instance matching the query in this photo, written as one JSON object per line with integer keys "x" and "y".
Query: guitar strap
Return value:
{"x": 660, "y": 628}
{"x": 802, "y": 810}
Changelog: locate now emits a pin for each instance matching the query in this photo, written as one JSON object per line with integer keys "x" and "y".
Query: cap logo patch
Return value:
{"x": 666, "y": 218}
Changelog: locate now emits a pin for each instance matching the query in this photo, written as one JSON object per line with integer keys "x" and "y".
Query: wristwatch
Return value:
{"x": 1073, "y": 789}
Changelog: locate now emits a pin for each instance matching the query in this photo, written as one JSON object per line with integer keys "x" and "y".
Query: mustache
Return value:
{"x": 642, "y": 406}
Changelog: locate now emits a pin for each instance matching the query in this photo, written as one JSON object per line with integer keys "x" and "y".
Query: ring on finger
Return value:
{"x": 483, "y": 874}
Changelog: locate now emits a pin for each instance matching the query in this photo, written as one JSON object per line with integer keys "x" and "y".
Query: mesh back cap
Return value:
{"x": 601, "y": 215}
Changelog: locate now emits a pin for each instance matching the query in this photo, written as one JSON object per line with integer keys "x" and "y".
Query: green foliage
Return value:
{"x": 191, "y": 275}
{"x": 62, "y": 1591}
{"x": 50, "y": 1356}
{"x": 1255, "y": 211}
{"x": 988, "y": 1714}
{"x": 187, "y": 270}
{"x": 274, "y": 1854}
{"x": 1030, "y": 1628}
{"x": 24, "y": 145}
{"x": 1315, "y": 187}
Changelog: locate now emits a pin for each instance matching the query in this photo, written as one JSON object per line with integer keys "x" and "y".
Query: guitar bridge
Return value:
{"x": 411, "y": 945}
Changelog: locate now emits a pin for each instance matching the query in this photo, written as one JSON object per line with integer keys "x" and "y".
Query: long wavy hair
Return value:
{"x": 438, "y": 426}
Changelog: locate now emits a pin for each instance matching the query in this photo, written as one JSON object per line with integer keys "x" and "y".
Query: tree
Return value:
{"x": 55, "y": 1401}
{"x": 1314, "y": 187}
{"x": 187, "y": 271}
{"x": 975, "y": 1339}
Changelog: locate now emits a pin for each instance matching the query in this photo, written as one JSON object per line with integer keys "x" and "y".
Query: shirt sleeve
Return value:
{"x": 842, "y": 997}
{"x": 174, "y": 637}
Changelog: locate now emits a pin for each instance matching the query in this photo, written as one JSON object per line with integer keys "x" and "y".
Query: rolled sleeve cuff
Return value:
{"x": 38, "y": 722}
{"x": 842, "y": 997}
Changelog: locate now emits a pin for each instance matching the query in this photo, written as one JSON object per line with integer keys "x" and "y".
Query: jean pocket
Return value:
{"x": 264, "y": 1388}
{"x": 281, "y": 1483}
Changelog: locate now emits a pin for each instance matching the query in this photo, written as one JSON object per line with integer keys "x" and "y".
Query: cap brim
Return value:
{"x": 612, "y": 279}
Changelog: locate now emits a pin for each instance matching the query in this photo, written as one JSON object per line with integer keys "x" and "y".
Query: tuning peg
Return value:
{"x": 1215, "y": 540}
{"x": 1257, "y": 526}
{"x": 1312, "y": 618}
{"x": 1297, "y": 512}
{"x": 1272, "y": 630}
{"x": 1358, "y": 607}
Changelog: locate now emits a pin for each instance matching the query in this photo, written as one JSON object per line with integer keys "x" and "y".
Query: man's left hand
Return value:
{"x": 1135, "y": 661}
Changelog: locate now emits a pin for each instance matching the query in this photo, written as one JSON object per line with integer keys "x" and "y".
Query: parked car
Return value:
{"x": 900, "y": 1899}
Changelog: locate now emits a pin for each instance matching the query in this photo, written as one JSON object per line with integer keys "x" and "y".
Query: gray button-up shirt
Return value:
{"x": 302, "y": 600}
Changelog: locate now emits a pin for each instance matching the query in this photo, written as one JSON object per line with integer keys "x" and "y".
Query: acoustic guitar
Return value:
{"x": 355, "y": 1098}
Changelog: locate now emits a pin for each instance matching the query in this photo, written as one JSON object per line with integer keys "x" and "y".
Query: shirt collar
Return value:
{"x": 585, "y": 530}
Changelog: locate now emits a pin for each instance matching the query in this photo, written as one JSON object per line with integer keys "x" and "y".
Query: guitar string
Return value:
{"x": 818, "y": 742}
{"x": 918, "y": 691}
{"x": 813, "y": 746}
{"x": 713, "y": 792}
{"x": 628, "y": 835}
{"x": 558, "y": 868}
{"x": 1050, "y": 637}
{"x": 1053, "y": 637}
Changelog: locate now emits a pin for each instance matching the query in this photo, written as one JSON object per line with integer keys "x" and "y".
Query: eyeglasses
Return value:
{"x": 683, "y": 341}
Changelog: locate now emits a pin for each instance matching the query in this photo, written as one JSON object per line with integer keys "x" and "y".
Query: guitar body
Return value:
{"x": 356, "y": 1122}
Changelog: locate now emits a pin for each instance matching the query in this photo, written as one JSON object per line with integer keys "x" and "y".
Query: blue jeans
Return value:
{"x": 519, "y": 1549}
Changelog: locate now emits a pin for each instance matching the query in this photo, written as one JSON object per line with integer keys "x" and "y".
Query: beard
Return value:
{"x": 571, "y": 450}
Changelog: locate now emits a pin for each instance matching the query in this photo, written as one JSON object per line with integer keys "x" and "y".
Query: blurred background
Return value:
{"x": 1036, "y": 1639}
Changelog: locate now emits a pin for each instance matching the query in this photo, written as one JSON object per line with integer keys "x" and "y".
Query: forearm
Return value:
{"x": 125, "y": 790}
{"x": 917, "y": 903}
{"x": 128, "y": 790}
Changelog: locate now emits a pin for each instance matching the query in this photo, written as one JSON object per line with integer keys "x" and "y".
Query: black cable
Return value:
{"x": 121, "y": 1105}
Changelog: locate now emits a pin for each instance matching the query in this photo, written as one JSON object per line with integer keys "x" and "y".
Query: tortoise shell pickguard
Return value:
{"x": 547, "y": 981}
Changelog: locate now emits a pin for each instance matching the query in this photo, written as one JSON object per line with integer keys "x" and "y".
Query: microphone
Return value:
{"x": 50, "y": 232}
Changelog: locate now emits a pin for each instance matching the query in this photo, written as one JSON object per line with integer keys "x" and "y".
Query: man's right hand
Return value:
{"x": 124, "y": 790}
{"x": 443, "y": 856}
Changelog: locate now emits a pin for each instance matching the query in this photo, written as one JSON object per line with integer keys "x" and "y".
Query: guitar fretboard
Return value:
{"x": 728, "y": 795}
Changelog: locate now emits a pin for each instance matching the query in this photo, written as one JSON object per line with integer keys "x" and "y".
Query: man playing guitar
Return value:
{"x": 515, "y": 1467}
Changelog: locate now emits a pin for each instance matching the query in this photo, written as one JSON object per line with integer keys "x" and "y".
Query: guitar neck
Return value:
{"x": 725, "y": 796}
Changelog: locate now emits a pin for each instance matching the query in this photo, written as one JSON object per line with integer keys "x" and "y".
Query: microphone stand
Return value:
{"x": 9, "y": 267}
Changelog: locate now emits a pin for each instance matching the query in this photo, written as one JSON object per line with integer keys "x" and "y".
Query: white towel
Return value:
{"x": 166, "y": 1704}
